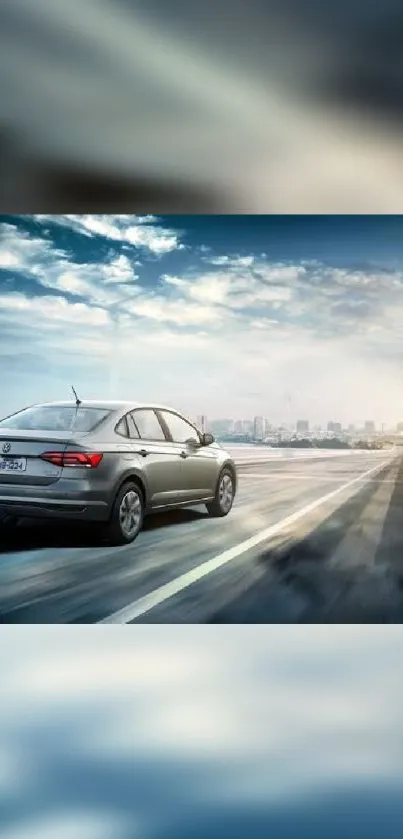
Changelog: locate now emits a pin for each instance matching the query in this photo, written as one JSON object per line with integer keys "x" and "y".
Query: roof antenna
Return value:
{"x": 78, "y": 401}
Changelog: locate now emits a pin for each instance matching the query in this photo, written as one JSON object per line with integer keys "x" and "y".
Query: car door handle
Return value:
{"x": 184, "y": 454}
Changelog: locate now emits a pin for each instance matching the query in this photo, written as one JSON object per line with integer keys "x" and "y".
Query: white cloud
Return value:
{"x": 218, "y": 260}
{"x": 8, "y": 259}
{"x": 367, "y": 280}
{"x": 99, "y": 283}
{"x": 139, "y": 231}
{"x": 148, "y": 237}
{"x": 179, "y": 282}
{"x": 178, "y": 312}
{"x": 120, "y": 271}
{"x": 261, "y": 295}
{"x": 234, "y": 287}
{"x": 170, "y": 340}
{"x": 53, "y": 269}
{"x": 264, "y": 323}
{"x": 260, "y": 266}
{"x": 233, "y": 261}
{"x": 214, "y": 288}
{"x": 280, "y": 273}
{"x": 20, "y": 251}
{"x": 53, "y": 311}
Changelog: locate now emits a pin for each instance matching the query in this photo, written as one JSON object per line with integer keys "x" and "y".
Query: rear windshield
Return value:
{"x": 56, "y": 418}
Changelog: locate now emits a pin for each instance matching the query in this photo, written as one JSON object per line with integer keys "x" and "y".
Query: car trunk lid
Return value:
{"x": 21, "y": 456}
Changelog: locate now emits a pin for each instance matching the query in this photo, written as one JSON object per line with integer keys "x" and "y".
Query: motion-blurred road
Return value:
{"x": 313, "y": 537}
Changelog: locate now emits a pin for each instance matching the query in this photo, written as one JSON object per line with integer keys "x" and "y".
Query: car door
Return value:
{"x": 198, "y": 463}
{"x": 161, "y": 461}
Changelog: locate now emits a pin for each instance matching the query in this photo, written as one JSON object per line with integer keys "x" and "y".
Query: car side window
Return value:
{"x": 181, "y": 430}
{"x": 133, "y": 430}
{"x": 147, "y": 424}
{"x": 122, "y": 428}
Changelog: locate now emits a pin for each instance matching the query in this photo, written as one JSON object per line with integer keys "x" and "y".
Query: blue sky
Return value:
{"x": 224, "y": 731}
{"x": 289, "y": 316}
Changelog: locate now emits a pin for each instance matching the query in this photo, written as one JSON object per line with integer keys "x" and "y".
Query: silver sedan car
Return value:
{"x": 109, "y": 462}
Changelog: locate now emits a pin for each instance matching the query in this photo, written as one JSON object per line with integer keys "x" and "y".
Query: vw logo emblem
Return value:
{"x": 6, "y": 448}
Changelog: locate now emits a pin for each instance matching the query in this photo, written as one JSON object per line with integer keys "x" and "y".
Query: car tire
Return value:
{"x": 224, "y": 496}
{"x": 127, "y": 515}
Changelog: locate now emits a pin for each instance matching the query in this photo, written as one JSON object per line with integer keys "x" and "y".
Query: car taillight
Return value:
{"x": 88, "y": 459}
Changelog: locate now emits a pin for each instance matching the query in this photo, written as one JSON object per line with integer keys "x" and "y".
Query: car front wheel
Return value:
{"x": 127, "y": 515}
{"x": 224, "y": 497}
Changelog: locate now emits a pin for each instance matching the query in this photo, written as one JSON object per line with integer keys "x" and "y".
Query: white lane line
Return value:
{"x": 254, "y": 461}
{"x": 241, "y": 464}
{"x": 155, "y": 598}
{"x": 330, "y": 480}
{"x": 280, "y": 475}
{"x": 297, "y": 454}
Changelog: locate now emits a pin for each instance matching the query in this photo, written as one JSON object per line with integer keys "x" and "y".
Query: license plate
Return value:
{"x": 13, "y": 464}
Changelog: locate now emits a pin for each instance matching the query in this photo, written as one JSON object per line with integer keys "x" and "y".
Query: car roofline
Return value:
{"x": 112, "y": 404}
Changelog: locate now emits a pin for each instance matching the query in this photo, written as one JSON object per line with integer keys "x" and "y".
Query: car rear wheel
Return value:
{"x": 224, "y": 497}
{"x": 127, "y": 515}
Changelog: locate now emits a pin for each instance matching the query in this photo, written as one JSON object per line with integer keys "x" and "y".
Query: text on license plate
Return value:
{"x": 13, "y": 464}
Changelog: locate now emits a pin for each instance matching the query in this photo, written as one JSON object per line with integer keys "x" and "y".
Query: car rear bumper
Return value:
{"x": 74, "y": 498}
{"x": 47, "y": 508}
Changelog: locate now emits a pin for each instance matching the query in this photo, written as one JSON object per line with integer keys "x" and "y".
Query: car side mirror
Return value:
{"x": 207, "y": 439}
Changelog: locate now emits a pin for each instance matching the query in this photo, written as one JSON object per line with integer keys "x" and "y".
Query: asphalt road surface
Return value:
{"x": 310, "y": 539}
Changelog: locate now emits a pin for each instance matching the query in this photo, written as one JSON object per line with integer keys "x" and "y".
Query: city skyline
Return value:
{"x": 296, "y": 317}
{"x": 262, "y": 426}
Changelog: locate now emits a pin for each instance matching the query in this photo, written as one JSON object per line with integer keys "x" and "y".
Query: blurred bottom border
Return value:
{"x": 224, "y": 731}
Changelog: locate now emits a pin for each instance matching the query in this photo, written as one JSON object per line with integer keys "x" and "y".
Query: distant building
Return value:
{"x": 238, "y": 427}
{"x": 221, "y": 426}
{"x": 302, "y": 426}
{"x": 334, "y": 427}
{"x": 399, "y": 427}
{"x": 202, "y": 423}
{"x": 259, "y": 428}
{"x": 369, "y": 427}
{"x": 267, "y": 427}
